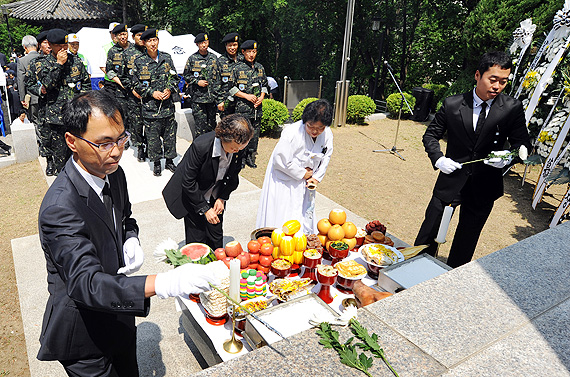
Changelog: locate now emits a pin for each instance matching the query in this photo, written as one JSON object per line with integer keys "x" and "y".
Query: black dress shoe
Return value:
{"x": 141, "y": 155}
{"x": 157, "y": 171}
{"x": 50, "y": 169}
{"x": 250, "y": 161}
{"x": 170, "y": 165}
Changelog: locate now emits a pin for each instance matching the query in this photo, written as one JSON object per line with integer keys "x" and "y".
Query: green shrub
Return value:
{"x": 438, "y": 92}
{"x": 358, "y": 108}
{"x": 394, "y": 101}
{"x": 275, "y": 114}
{"x": 298, "y": 110}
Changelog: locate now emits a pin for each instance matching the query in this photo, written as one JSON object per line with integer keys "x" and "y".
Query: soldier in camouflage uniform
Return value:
{"x": 116, "y": 70}
{"x": 33, "y": 86}
{"x": 226, "y": 62}
{"x": 200, "y": 74}
{"x": 156, "y": 82}
{"x": 250, "y": 88}
{"x": 134, "y": 100}
{"x": 62, "y": 76}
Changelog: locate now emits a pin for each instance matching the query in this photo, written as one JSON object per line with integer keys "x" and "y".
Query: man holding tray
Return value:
{"x": 477, "y": 123}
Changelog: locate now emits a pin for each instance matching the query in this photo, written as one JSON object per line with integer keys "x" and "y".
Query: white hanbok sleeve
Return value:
{"x": 319, "y": 173}
{"x": 288, "y": 147}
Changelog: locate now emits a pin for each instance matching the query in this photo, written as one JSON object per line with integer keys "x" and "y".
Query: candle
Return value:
{"x": 234, "y": 279}
{"x": 444, "y": 225}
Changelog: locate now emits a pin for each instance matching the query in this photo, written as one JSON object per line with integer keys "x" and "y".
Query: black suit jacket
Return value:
{"x": 505, "y": 121}
{"x": 90, "y": 311}
{"x": 196, "y": 174}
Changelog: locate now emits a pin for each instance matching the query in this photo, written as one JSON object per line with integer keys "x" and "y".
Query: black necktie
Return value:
{"x": 108, "y": 201}
{"x": 482, "y": 117}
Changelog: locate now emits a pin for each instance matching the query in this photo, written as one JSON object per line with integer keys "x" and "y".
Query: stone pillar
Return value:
{"x": 25, "y": 142}
{"x": 186, "y": 126}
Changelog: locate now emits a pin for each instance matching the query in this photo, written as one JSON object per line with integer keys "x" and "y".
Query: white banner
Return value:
{"x": 549, "y": 115}
{"x": 550, "y": 163}
{"x": 561, "y": 209}
{"x": 543, "y": 83}
{"x": 535, "y": 61}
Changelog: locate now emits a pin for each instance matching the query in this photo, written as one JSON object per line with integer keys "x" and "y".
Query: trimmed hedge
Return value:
{"x": 394, "y": 101}
{"x": 298, "y": 110}
{"x": 358, "y": 108}
{"x": 275, "y": 114}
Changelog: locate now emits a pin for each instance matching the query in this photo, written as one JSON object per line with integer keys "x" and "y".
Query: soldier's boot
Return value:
{"x": 170, "y": 165}
{"x": 50, "y": 169}
{"x": 141, "y": 155}
{"x": 157, "y": 171}
{"x": 250, "y": 160}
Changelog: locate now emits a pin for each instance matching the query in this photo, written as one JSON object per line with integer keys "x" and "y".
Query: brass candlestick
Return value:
{"x": 233, "y": 345}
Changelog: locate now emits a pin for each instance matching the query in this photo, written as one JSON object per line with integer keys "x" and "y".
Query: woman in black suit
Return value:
{"x": 206, "y": 177}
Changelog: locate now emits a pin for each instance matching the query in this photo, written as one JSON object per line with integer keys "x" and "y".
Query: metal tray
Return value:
{"x": 256, "y": 334}
{"x": 393, "y": 278}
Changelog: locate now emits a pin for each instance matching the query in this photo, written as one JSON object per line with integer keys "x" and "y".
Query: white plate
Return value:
{"x": 401, "y": 257}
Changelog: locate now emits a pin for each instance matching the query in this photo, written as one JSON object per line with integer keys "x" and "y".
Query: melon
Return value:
{"x": 198, "y": 253}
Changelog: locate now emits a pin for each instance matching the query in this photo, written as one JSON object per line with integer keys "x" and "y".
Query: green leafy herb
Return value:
{"x": 370, "y": 342}
{"x": 176, "y": 258}
{"x": 346, "y": 351}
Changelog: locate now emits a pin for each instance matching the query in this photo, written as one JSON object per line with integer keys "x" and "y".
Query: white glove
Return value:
{"x": 447, "y": 165}
{"x": 498, "y": 162}
{"x": 134, "y": 256}
{"x": 187, "y": 279}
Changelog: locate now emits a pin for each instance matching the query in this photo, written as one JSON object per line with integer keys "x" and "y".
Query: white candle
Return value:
{"x": 444, "y": 225}
{"x": 234, "y": 279}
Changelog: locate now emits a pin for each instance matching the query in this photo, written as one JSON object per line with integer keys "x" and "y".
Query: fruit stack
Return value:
{"x": 336, "y": 228}
{"x": 290, "y": 242}
{"x": 252, "y": 284}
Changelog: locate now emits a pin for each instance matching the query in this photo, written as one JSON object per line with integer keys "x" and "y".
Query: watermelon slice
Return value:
{"x": 198, "y": 253}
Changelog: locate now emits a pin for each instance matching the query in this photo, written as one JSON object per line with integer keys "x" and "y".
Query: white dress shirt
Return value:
{"x": 477, "y": 108}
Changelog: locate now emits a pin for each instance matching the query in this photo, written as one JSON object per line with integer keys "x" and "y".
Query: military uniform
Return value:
{"x": 158, "y": 116}
{"x": 33, "y": 86}
{"x": 62, "y": 83}
{"x": 134, "y": 104}
{"x": 225, "y": 67}
{"x": 203, "y": 99}
{"x": 250, "y": 79}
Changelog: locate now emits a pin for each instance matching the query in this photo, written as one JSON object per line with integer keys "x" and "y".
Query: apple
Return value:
{"x": 265, "y": 260}
{"x": 233, "y": 248}
{"x": 266, "y": 249}
{"x": 254, "y": 258}
{"x": 263, "y": 269}
{"x": 264, "y": 239}
{"x": 253, "y": 246}
{"x": 244, "y": 259}
{"x": 220, "y": 253}
{"x": 227, "y": 260}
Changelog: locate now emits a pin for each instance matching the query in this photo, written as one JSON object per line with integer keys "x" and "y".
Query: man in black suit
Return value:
{"x": 477, "y": 123}
{"x": 90, "y": 241}
{"x": 205, "y": 178}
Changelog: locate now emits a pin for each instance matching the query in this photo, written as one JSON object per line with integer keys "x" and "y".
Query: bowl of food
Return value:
{"x": 261, "y": 232}
{"x": 326, "y": 275}
{"x": 349, "y": 272}
{"x": 311, "y": 258}
{"x": 280, "y": 267}
{"x": 360, "y": 234}
{"x": 379, "y": 256}
{"x": 339, "y": 249}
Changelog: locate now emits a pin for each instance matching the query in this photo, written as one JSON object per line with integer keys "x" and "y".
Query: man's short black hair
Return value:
{"x": 491, "y": 58}
{"x": 76, "y": 113}
{"x": 318, "y": 111}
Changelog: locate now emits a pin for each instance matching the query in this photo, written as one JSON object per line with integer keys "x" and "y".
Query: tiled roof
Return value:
{"x": 39, "y": 10}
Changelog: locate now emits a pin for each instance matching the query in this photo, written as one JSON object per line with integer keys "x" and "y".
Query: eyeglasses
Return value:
{"x": 311, "y": 127}
{"x": 106, "y": 147}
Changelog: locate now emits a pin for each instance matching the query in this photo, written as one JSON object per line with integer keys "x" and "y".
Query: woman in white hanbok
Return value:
{"x": 298, "y": 163}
